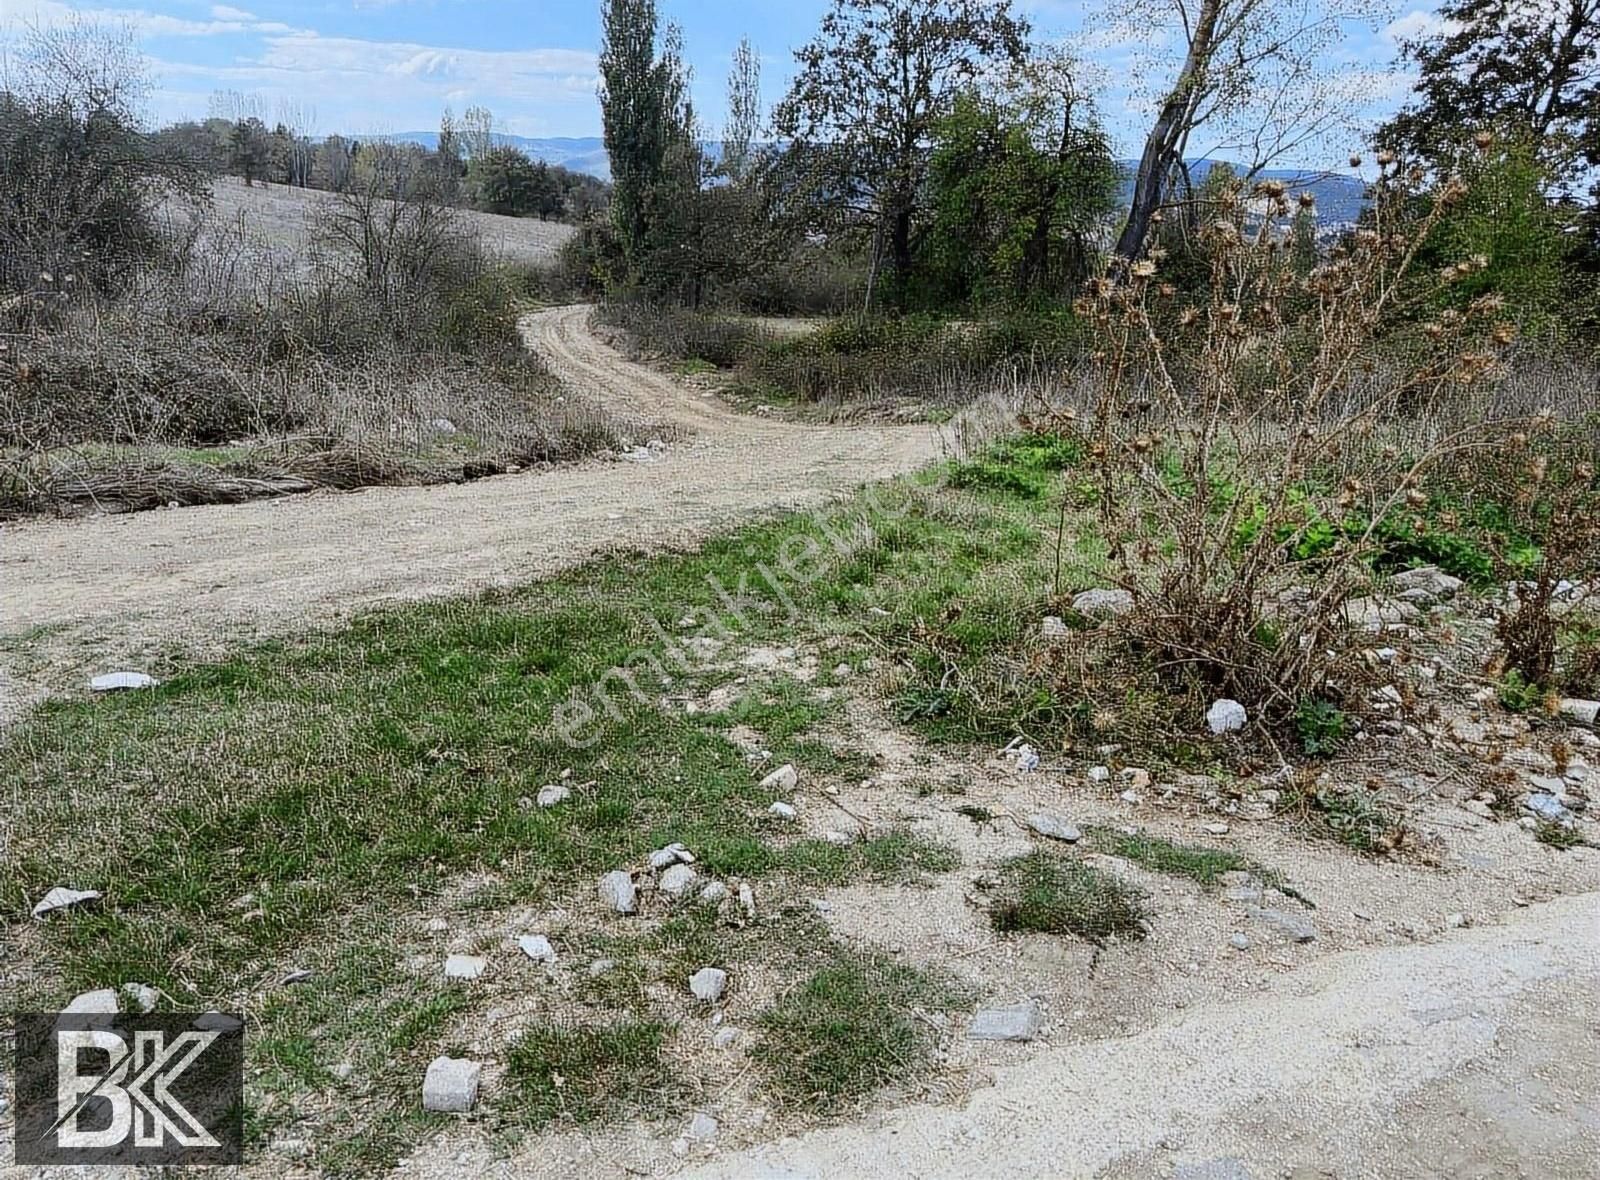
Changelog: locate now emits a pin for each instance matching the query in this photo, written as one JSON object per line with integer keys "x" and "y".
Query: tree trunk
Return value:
{"x": 900, "y": 245}
{"x": 1171, "y": 129}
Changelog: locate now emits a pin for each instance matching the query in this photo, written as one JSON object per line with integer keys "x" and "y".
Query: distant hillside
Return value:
{"x": 1339, "y": 198}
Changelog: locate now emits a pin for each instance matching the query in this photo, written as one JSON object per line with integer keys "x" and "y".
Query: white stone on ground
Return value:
{"x": 725, "y": 1037}
{"x": 672, "y": 854}
{"x": 747, "y": 901}
{"x": 677, "y": 880}
{"x": 1226, "y": 716}
{"x": 464, "y": 967}
{"x": 1054, "y": 827}
{"x": 141, "y": 997}
{"x": 100, "y": 1002}
{"x": 537, "y": 947}
{"x": 1104, "y": 604}
{"x": 783, "y": 780}
{"x": 61, "y": 898}
{"x": 708, "y": 984}
{"x": 616, "y": 890}
{"x": 714, "y": 893}
{"x": 1099, "y": 774}
{"x": 840, "y": 839}
{"x": 122, "y": 681}
{"x": 782, "y": 810}
{"x": 702, "y": 1127}
{"x": 450, "y": 1085}
{"x": 1583, "y": 712}
{"x": 553, "y": 794}
{"x": 1019, "y": 1022}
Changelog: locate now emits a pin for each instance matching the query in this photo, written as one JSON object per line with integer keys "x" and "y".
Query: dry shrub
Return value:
{"x": 1248, "y": 448}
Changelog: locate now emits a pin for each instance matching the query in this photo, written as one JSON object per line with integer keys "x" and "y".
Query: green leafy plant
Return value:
{"x": 1323, "y": 727}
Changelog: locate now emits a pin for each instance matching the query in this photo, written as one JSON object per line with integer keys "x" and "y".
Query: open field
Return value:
{"x": 359, "y": 799}
{"x": 282, "y": 215}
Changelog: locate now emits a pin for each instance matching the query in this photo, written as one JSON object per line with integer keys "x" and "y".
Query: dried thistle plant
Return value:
{"x": 1249, "y": 444}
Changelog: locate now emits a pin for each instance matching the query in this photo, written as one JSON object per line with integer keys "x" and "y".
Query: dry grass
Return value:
{"x": 285, "y": 217}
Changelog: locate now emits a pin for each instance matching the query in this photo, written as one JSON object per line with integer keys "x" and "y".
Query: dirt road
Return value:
{"x": 1471, "y": 1058}
{"x": 127, "y": 583}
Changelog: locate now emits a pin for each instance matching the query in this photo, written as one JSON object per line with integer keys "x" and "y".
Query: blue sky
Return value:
{"x": 378, "y": 66}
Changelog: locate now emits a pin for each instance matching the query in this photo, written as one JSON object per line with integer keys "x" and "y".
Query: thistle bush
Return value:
{"x": 1250, "y": 446}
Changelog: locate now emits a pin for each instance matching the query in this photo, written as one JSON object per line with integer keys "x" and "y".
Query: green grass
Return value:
{"x": 858, "y": 1024}
{"x": 587, "y": 1072}
{"x": 1559, "y": 836}
{"x": 1356, "y": 819}
{"x": 1045, "y": 893}
{"x": 1194, "y": 862}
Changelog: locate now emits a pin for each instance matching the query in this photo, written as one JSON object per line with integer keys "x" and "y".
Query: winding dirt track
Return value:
{"x": 194, "y": 574}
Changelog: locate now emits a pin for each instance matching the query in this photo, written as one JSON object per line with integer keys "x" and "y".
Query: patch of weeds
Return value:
{"x": 1198, "y": 863}
{"x": 695, "y": 366}
{"x": 1322, "y": 726}
{"x": 1356, "y": 819}
{"x": 1518, "y": 695}
{"x": 895, "y": 856}
{"x": 588, "y": 1072}
{"x": 856, "y": 1025}
{"x": 978, "y": 815}
{"x": 1021, "y": 466}
{"x": 1050, "y": 894}
{"x": 1558, "y": 835}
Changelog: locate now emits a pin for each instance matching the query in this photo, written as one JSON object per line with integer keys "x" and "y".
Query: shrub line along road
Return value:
{"x": 274, "y": 564}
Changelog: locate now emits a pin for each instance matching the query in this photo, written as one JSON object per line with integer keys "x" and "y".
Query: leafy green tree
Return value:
{"x": 648, "y": 128}
{"x": 1019, "y": 190}
{"x": 250, "y": 149}
{"x": 1524, "y": 69}
{"x": 1506, "y": 220}
{"x": 870, "y": 91}
{"x": 744, "y": 111}
{"x": 505, "y": 180}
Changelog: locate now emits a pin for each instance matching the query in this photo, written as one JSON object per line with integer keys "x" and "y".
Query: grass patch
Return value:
{"x": 1558, "y": 835}
{"x": 588, "y": 1073}
{"x": 896, "y": 856}
{"x": 1050, "y": 894}
{"x": 1356, "y": 819}
{"x": 854, "y": 1026}
{"x": 1203, "y": 865}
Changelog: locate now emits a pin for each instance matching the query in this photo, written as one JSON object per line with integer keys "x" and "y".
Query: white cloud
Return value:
{"x": 223, "y": 12}
{"x": 1416, "y": 24}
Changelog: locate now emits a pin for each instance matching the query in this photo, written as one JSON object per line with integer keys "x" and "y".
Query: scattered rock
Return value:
{"x": 343, "y": 1070}
{"x": 1292, "y": 925}
{"x": 552, "y": 795}
{"x": 141, "y": 997}
{"x": 1227, "y": 716}
{"x": 1131, "y": 796}
{"x": 1053, "y": 827}
{"x": 1099, "y": 774}
{"x": 537, "y": 947}
{"x": 1427, "y": 583}
{"x": 616, "y": 890}
{"x": 217, "y": 1022}
{"x": 1020, "y": 1022}
{"x": 783, "y": 780}
{"x": 301, "y": 975}
{"x": 672, "y": 854}
{"x": 725, "y": 1037}
{"x": 782, "y": 811}
{"x": 702, "y": 1127}
{"x": 100, "y": 1002}
{"x": 122, "y": 681}
{"x": 61, "y": 898}
{"x": 714, "y": 893}
{"x": 747, "y": 900}
{"x": 443, "y": 425}
{"x": 1546, "y": 807}
{"x": 1027, "y": 759}
{"x": 1216, "y": 829}
{"x": 450, "y": 1085}
{"x": 678, "y": 880}
{"x": 1104, "y": 604}
{"x": 708, "y": 984}
{"x": 1239, "y": 942}
{"x": 840, "y": 839}
{"x": 464, "y": 967}
{"x": 1054, "y": 628}
{"x": 437, "y": 926}
{"x": 1583, "y": 712}
{"x": 600, "y": 967}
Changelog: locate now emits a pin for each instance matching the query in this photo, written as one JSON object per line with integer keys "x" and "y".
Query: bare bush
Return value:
{"x": 1249, "y": 449}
